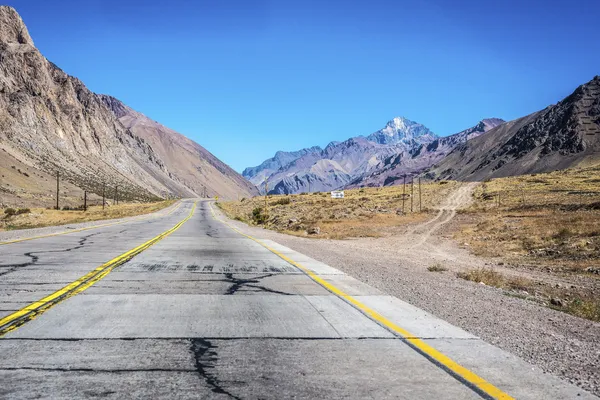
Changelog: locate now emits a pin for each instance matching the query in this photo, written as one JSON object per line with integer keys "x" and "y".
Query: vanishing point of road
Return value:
{"x": 183, "y": 304}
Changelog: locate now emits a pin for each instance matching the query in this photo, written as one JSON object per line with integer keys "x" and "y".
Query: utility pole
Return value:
{"x": 116, "y": 195}
{"x": 412, "y": 190}
{"x": 103, "y": 189}
{"x": 85, "y": 200}
{"x": 266, "y": 192}
{"x": 420, "y": 209}
{"x": 57, "y": 188}
{"x": 403, "y": 193}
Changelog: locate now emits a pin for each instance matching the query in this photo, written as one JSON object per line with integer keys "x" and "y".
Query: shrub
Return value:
{"x": 281, "y": 202}
{"x": 437, "y": 268}
{"x": 10, "y": 212}
{"x": 258, "y": 216}
{"x": 23, "y": 211}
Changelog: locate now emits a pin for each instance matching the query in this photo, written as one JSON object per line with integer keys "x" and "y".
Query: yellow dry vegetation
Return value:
{"x": 554, "y": 218}
{"x": 366, "y": 212}
{"x": 41, "y": 217}
{"x": 545, "y": 224}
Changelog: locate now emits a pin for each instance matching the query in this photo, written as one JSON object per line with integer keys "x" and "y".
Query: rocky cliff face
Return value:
{"x": 51, "y": 122}
{"x": 563, "y": 135}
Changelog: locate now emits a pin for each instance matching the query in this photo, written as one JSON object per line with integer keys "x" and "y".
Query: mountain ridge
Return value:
{"x": 563, "y": 135}
{"x": 360, "y": 160}
{"x": 51, "y": 121}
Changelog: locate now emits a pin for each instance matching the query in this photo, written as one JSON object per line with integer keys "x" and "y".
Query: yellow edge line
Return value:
{"x": 85, "y": 281}
{"x": 431, "y": 352}
{"x": 82, "y": 229}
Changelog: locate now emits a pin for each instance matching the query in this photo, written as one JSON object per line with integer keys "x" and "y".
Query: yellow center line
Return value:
{"x": 464, "y": 375}
{"x": 33, "y": 310}
{"x": 87, "y": 228}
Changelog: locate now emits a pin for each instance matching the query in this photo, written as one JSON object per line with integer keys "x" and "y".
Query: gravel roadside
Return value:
{"x": 558, "y": 343}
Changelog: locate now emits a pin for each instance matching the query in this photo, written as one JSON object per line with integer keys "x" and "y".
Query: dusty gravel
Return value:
{"x": 558, "y": 343}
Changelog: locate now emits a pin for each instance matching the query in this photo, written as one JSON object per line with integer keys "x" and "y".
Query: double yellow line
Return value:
{"x": 479, "y": 385}
{"x": 18, "y": 318}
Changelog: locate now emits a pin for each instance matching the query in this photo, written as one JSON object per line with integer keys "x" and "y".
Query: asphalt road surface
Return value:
{"x": 199, "y": 310}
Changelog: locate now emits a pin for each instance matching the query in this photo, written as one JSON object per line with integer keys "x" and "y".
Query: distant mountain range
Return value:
{"x": 49, "y": 122}
{"x": 400, "y": 147}
{"x": 561, "y": 136}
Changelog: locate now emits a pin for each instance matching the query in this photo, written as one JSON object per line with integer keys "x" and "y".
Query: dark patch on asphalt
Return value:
{"x": 35, "y": 258}
{"x": 205, "y": 360}
{"x": 193, "y": 267}
{"x": 154, "y": 267}
{"x": 239, "y": 284}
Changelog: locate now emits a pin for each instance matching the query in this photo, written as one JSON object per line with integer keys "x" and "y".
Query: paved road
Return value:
{"x": 207, "y": 312}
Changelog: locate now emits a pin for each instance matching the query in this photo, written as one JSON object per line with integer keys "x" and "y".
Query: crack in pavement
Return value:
{"x": 34, "y": 258}
{"x": 205, "y": 358}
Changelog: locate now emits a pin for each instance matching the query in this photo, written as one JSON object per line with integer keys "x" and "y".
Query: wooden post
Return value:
{"x": 420, "y": 209}
{"x": 116, "y": 195}
{"x": 403, "y": 193}
{"x": 412, "y": 190}
{"x": 57, "y": 188}
{"x": 103, "y": 189}
{"x": 85, "y": 200}
{"x": 266, "y": 192}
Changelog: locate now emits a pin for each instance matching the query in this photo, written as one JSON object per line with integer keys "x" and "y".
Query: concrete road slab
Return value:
{"x": 68, "y": 384}
{"x": 122, "y": 316}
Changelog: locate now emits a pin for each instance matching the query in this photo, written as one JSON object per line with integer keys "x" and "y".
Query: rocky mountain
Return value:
{"x": 402, "y": 130}
{"x": 49, "y": 121}
{"x": 257, "y": 174}
{"x": 402, "y": 146}
{"x": 341, "y": 162}
{"x": 563, "y": 135}
{"x": 421, "y": 157}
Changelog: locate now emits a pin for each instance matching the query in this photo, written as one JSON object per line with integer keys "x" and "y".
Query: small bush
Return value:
{"x": 437, "y": 268}
{"x": 563, "y": 233}
{"x": 66, "y": 208}
{"x": 23, "y": 211}
{"x": 243, "y": 200}
{"x": 9, "y": 212}
{"x": 258, "y": 216}
{"x": 281, "y": 202}
{"x": 485, "y": 275}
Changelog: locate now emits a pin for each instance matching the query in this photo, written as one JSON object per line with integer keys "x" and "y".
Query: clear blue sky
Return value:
{"x": 245, "y": 78}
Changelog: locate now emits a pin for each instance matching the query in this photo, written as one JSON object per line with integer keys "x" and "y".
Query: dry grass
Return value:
{"x": 575, "y": 301}
{"x": 366, "y": 212}
{"x": 40, "y": 217}
{"x": 547, "y": 225}
{"x": 552, "y": 219}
